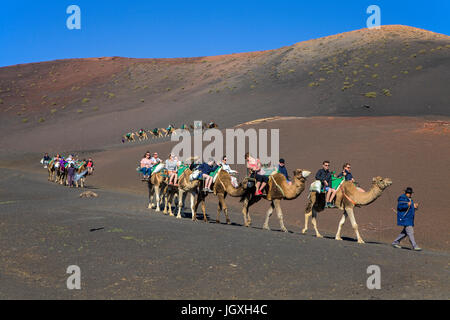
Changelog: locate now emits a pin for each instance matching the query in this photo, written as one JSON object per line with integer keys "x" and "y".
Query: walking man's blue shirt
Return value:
{"x": 405, "y": 211}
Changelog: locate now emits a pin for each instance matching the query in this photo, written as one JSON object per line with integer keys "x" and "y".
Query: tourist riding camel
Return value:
{"x": 255, "y": 171}
{"x": 346, "y": 173}
{"x": 142, "y": 135}
{"x": 347, "y": 198}
{"x": 206, "y": 168}
{"x": 278, "y": 189}
{"x": 128, "y": 137}
{"x": 172, "y": 167}
{"x": 324, "y": 176}
{"x": 146, "y": 165}
{"x": 45, "y": 160}
{"x": 90, "y": 166}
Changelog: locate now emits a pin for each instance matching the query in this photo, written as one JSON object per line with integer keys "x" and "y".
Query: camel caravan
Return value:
{"x": 273, "y": 185}
{"x": 143, "y": 134}
{"x": 68, "y": 171}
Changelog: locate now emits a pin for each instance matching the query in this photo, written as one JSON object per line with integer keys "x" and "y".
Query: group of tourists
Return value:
{"x": 150, "y": 164}
{"x": 261, "y": 174}
{"x": 70, "y": 164}
{"x": 147, "y": 164}
{"x": 405, "y": 205}
{"x": 329, "y": 183}
{"x": 326, "y": 177}
{"x": 141, "y": 134}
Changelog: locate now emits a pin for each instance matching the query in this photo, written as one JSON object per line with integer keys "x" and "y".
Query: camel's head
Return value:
{"x": 382, "y": 183}
{"x": 301, "y": 173}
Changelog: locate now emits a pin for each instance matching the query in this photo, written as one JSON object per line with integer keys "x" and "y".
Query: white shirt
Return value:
{"x": 227, "y": 168}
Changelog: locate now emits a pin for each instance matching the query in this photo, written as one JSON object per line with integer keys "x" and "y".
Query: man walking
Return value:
{"x": 405, "y": 218}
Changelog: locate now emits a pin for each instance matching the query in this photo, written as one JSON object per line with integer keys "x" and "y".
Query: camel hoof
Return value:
{"x": 178, "y": 216}
{"x": 284, "y": 230}
{"x": 338, "y": 238}
{"x": 218, "y": 221}
{"x": 304, "y": 231}
{"x": 361, "y": 241}
{"x": 228, "y": 222}
{"x": 319, "y": 236}
{"x": 266, "y": 228}
{"x": 171, "y": 214}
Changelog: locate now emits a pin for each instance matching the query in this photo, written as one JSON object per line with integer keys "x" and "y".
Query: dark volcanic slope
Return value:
{"x": 396, "y": 70}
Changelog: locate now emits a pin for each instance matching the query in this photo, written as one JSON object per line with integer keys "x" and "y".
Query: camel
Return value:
{"x": 201, "y": 199}
{"x": 82, "y": 168}
{"x": 347, "y": 198}
{"x": 211, "y": 125}
{"x": 223, "y": 186}
{"x": 169, "y": 193}
{"x": 185, "y": 127}
{"x": 156, "y": 184}
{"x": 278, "y": 189}
{"x": 142, "y": 135}
{"x": 156, "y": 133}
{"x": 52, "y": 170}
{"x": 128, "y": 137}
{"x": 186, "y": 186}
{"x": 61, "y": 174}
{"x": 170, "y": 130}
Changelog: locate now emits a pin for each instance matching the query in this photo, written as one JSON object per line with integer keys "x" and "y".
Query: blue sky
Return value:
{"x": 33, "y": 31}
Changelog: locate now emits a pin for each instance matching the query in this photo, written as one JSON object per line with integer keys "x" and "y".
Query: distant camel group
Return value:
{"x": 144, "y": 134}
{"x": 347, "y": 198}
{"x": 58, "y": 172}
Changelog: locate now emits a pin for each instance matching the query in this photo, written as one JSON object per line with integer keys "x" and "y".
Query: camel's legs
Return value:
{"x": 225, "y": 210}
{"x": 222, "y": 206}
{"x": 341, "y": 223}
{"x": 351, "y": 216}
{"x": 277, "y": 203}
{"x": 150, "y": 198}
{"x": 201, "y": 199}
{"x": 181, "y": 197}
{"x": 219, "y": 206}
{"x": 314, "y": 223}
{"x": 245, "y": 212}
{"x": 204, "y": 210}
{"x": 171, "y": 199}
{"x": 157, "y": 190}
{"x": 194, "y": 212}
{"x": 166, "y": 199}
{"x": 307, "y": 215}
{"x": 193, "y": 208}
{"x": 268, "y": 214}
